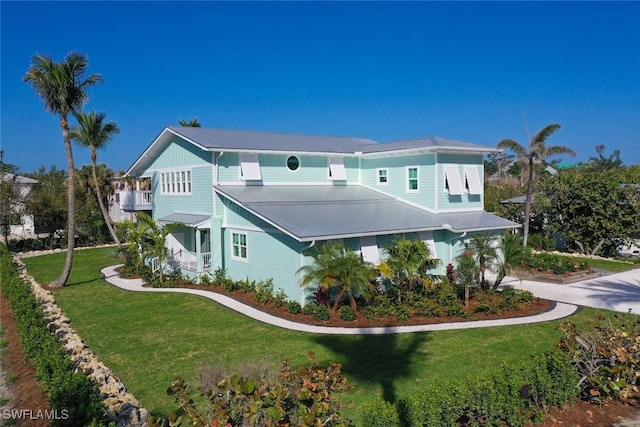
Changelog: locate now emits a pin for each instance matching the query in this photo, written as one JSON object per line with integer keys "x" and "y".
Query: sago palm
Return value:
{"x": 531, "y": 157}
{"x": 64, "y": 91}
{"x": 93, "y": 133}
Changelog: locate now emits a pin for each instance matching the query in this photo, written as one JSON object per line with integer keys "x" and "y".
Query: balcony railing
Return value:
{"x": 189, "y": 260}
{"x": 131, "y": 201}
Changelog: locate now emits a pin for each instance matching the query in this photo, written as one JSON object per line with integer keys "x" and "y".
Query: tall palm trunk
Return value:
{"x": 527, "y": 205}
{"x": 105, "y": 212}
{"x": 71, "y": 203}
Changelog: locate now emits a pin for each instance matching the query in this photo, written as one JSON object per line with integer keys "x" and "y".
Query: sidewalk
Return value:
{"x": 560, "y": 311}
{"x": 616, "y": 292}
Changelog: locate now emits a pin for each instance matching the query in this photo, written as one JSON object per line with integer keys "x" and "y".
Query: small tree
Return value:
{"x": 408, "y": 261}
{"x": 155, "y": 236}
{"x": 483, "y": 248}
{"x": 337, "y": 268}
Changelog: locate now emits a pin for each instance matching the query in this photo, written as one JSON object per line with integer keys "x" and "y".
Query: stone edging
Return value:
{"x": 121, "y": 406}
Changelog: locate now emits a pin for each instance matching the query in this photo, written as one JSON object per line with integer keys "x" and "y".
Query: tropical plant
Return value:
{"x": 94, "y": 134}
{"x": 193, "y": 123}
{"x": 10, "y": 196}
{"x": 336, "y": 267}
{"x": 532, "y": 158}
{"x": 155, "y": 236}
{"x": 64, "y": 91}
{"x": 407, "y": 263}
{"x": 483, "y": 248}
{"x": 513, "y": 255}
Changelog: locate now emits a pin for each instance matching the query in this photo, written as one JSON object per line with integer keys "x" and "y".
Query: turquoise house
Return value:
{"x": 255, "y": 203}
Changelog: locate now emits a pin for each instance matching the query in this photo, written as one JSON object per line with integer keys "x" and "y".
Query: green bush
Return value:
{"x": 67, "y": 390}
{"x": 378, "y": 413}
{"x": 262, "y": 291}
{"x": 310, "y": 308}
{"x": 279, "y": 298}
{"x": 346, "y": 313}
{"x": 293, "y": 307}
{"x": 402, "y": 313}
{"x": 322, "y": 313}
{"x": 541, "y": 243}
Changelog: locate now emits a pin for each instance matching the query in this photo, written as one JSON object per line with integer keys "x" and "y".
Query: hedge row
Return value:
{"x": 72, "y": 395}
{"x": 507, "y": 397}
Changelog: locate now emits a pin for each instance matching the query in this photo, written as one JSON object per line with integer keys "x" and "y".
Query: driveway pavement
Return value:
{"x": 617, "y": 292}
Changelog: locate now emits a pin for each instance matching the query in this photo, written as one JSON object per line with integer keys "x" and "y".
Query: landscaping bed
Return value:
{"x": 537, "y": 306}
{"x": 551, "y": 277}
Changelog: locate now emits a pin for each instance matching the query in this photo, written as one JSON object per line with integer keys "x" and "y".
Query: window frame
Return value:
{"x": 286, "y": 163}
{"x": 408, "y": 170}
{"x": 176, "y": 182}
{"x": 386, "y": 176}
{"x": 239, "y": 246}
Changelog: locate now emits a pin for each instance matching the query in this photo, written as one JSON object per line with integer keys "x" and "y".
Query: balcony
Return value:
{"x": 132, "y": 201}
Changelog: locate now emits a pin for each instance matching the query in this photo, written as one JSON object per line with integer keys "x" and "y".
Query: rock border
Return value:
{"x": 121, "y": 406}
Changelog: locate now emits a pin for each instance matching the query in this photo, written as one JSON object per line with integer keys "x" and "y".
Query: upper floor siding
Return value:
{"x": 287, "y": 169}
{"x": 179, "y": 153}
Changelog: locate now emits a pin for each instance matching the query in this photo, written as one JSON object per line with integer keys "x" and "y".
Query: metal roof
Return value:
{"x": 191, "y": 220}
{"x": 269, "y": 141}
{"x": 309, "y": 213}
{"x": 251, "y": 141}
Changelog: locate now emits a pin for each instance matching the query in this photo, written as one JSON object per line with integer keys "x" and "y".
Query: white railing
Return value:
{"x": 135, "y": 200}
{"x": 189, "y": 260}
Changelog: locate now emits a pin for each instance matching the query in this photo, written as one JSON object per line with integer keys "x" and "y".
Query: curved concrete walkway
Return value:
{"x": 560, "y": 311}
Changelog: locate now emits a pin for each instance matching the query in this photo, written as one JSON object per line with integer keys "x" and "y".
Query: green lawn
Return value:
{"x": 148, "y": 338}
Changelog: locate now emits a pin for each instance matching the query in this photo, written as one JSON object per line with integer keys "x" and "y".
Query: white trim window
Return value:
{"x": 412, "y": 179}
{"x": 250, "y": 167}
{"x": 239, "y": 246}
{"x": 382, "y": 176}
{"x": 175, "y": 182}
{"x": 452, "y": 182}
{"x": 472, "y": 180}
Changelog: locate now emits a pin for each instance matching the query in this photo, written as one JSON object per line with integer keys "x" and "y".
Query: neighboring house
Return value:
{"x": 22, "y": 225}
{"x": 255, "y": 203}
{"x": 119, "y": 205}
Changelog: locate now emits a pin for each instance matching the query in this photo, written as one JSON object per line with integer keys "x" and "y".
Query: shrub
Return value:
{"x": 346, "y": 313}
{"x": 310, "y": 308}
{"x": 262, "y": 291}
{"x": 68, "y": 390}
{"x": 402, "y": 313}
{"x": 302, "y": 396}
{"x": 206, "y": 279}
{"x": 606, "y": 357}
{"x": 322, "y": 313}
{"x": 293, "y": 307}
{"x": 279, "y": 298}
{"x": 378, "y": 413}
{"x": 541, "y": 243}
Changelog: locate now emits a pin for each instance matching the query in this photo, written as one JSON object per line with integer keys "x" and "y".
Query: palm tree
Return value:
{"x": 155, "y": 236}
{"x": 531, "y": 158}
{"x": 483, "y": 248}
{"x": 193, "y": 123}
{"x": 512, "y": 256}
{"x": 94, "y": 134}
{"x": 337, "y": 267}
{"x": 64, "y": 91}
{"x": 408, "y": 261}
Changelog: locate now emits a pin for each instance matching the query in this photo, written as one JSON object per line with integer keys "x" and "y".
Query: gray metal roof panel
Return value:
{"x": 326, "y": 212}
{"x": 270, "y": 141}
{"x": 185, "y": 218}
{"x": 429, "y": 142}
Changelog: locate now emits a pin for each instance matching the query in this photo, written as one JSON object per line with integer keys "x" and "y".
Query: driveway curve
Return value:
{"x": 561, "y": 310}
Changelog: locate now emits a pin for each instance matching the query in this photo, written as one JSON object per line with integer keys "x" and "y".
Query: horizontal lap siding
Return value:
{"x": 313, "y": 169}
{"x": 200, "y": 201}
{"x": 397, "y": 177}
{"x": 269, "y": 255}
{"x": 180, "y": 154}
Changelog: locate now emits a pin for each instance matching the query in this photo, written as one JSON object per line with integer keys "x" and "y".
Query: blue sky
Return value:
{"x": 383, "y": 70}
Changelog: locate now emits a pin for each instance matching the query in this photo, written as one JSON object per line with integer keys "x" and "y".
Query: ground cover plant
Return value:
{"x": 182, "y": 333}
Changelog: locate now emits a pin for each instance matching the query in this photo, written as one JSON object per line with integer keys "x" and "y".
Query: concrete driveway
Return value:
{"x": 617, "y": 292}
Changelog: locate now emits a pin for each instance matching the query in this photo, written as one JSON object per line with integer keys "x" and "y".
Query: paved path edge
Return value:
{"x": 559, "y": 311}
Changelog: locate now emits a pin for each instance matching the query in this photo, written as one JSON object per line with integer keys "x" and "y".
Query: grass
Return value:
{"x": 149, "y": 338}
